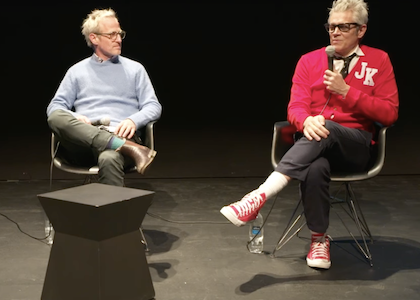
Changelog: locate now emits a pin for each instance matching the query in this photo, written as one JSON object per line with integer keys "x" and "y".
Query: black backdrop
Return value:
{"x": 224, "y": 65}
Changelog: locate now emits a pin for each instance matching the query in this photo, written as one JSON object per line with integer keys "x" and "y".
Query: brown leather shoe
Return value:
{"x": 141, "y": 155}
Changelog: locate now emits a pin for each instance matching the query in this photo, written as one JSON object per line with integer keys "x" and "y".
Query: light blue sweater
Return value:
{"x": 117, "y": 89}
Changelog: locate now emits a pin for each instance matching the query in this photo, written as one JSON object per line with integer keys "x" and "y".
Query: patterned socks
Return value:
{"x": 115, "y": 143}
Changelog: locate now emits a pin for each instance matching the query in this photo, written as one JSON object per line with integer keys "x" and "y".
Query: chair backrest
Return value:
{"x": 283, "y": 140}
{"x": 146, "y": 135}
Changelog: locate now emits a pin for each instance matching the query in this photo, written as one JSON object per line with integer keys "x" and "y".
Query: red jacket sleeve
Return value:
{"x": 299, "y": 107}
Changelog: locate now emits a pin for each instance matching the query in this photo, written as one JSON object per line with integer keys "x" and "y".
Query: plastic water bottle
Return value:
{"x": 256, "y": 235}
{"x": 49, "y": 232}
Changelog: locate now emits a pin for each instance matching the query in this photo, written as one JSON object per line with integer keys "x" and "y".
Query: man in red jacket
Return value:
{"x": 334, "y": 110}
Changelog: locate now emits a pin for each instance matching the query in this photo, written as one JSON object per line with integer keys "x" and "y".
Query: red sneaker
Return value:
{"x": 319, "y": 253}
{"x": 245, "y": 210}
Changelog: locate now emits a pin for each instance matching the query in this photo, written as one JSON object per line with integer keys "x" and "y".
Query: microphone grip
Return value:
{"x": 96, "y": 123}
{"x": 330, "y": 63}
{"x": 104, "y": 121}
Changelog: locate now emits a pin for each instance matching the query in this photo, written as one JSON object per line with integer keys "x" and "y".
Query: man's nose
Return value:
{"x": 336, "y": 31}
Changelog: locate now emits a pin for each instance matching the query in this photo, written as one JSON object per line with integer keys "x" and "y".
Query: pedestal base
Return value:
{"x": 114, "y": 269}
{"x": 97, "y": 252}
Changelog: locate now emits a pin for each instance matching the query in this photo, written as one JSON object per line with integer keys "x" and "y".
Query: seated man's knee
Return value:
{"x": 58, "y": 119}
{"x": 334, "y": 128}
{"x": 330, "y": 124}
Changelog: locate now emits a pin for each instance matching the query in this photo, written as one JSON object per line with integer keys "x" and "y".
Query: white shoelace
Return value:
{"x": 248, "y": 204}
{"x": 320, "y": 250}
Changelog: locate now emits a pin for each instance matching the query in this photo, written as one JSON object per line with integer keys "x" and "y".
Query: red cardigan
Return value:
{"x": 373, "y": 94}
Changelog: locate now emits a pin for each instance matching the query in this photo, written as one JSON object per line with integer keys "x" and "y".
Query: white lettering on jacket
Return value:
{"x": 367, "y": 73}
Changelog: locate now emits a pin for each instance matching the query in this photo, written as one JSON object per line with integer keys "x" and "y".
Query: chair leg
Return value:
{"x": 285, "y": 237}
{"x": 349, "y": 210}
{"x": 361, "y": 215}
{"x": 354, "y": 211}
{"x": 143, "y": 240}
{"x": 361, "y": 224}
{"x": 51, "y": 174}
{"x": 357, "y": 216}
{"x": 91, "y": 179}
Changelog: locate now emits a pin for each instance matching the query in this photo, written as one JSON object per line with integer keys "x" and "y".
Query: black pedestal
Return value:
{"x": 97, "y": 252}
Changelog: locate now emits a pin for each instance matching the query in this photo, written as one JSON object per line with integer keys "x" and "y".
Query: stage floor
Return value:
{"x": 195, "y": 254}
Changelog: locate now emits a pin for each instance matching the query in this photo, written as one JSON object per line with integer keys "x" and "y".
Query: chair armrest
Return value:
{"x": 149, "y": 139}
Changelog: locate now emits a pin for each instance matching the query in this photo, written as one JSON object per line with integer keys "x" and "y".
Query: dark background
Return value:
{"x": 222, "y": 71}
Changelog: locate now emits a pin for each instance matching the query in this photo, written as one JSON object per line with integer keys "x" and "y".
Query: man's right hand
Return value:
{"x": 314, "y": 128}
{"x": 83, "y": 119}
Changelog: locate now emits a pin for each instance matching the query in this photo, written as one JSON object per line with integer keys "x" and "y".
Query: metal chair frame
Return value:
{"x": 91, "y": 173}
{"x": 349, "y": 204}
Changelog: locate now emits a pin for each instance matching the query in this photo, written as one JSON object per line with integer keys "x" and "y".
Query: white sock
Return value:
{"x": 273, "y": 184}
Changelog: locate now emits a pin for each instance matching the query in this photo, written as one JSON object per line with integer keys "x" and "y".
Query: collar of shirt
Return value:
{"x": 113, "y": 59}
{"x": 97, "y": 58}
{"x": 339, "y": 63}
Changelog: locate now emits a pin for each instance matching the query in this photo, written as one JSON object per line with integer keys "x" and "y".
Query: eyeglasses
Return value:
{"x": 344, "y": 27}
{"x": 113, "y": 35}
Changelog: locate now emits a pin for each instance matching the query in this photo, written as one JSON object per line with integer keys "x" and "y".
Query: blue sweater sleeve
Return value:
{"x": 65, "y": 95}
{"x": 149, "y": 107}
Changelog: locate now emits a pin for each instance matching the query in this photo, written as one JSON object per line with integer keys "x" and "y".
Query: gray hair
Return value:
{"x": 358, "y": 7}
{"x": 91, "y": 23}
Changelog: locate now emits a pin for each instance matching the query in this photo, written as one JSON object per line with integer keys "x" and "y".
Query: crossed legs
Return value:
{"x": 310, "y": 162}
{"x": 84, "y": 144}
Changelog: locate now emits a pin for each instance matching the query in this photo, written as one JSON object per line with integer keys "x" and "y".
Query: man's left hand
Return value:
{"x": 126, "y": 129}
{"x": 335, "y": 83}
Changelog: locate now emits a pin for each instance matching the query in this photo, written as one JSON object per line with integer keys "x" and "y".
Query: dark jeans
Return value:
{"x": 311, "y": 162}
{"x": 85, "y": 145}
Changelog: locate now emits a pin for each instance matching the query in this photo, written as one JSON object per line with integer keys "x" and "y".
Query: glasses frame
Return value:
{"x": 113, "y": 35}
{"x": 343, "y": 27}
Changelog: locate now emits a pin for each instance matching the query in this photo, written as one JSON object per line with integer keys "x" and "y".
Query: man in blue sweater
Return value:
{"x": 105, "y": 86}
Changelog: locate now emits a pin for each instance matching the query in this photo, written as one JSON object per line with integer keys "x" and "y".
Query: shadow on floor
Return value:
{"x": 390, "y": 255}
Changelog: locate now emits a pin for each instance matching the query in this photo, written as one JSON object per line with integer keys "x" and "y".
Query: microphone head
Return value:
{"x": 330, "y": 50}
{"x": 105, "y": 121}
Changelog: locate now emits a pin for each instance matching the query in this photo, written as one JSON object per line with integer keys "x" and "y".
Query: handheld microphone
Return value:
{"x": 103, "y": 121}
{"x": 330, "y": 50}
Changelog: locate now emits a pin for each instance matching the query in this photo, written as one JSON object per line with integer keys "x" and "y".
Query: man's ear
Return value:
{"x": 362, "y": 31}
{"x": 93, "y": 39}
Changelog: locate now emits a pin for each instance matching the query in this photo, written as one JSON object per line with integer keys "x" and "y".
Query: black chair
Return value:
{"x": 91, "y": 172}
{"x": 283, "y": 140}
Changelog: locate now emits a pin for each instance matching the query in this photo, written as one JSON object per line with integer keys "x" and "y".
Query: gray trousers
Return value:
{"x": 85, "y": 145}
{"x": 312, "y": 162}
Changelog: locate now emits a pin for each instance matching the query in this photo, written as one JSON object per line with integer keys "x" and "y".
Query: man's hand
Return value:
{"x": 126, "y": 129}
{"x": 335, "y": 83}
{"x": 314, "y": 128}
{"x": 83, "y": 119}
